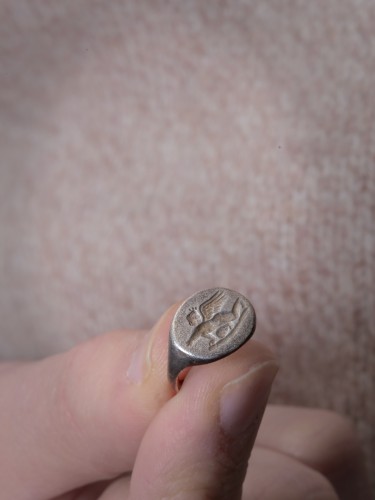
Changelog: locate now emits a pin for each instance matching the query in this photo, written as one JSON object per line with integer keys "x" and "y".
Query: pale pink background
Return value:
{"x": 151, "y": 148}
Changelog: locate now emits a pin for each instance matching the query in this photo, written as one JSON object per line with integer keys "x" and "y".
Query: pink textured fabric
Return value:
{"x": 150, "y": 149}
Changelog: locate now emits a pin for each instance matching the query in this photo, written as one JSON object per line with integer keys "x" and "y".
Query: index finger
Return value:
{"x": 79, "y": 417}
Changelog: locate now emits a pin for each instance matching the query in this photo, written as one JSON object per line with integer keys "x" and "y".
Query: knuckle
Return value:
{"x": 84, "y": 405}
{"x": 324, "y": 440}
{"x": 338, "y": 431}
{"x": 83, "y": 393}
{"x": 68, "y": 390}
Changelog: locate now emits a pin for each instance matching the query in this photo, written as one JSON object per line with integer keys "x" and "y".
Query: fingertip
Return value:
{"x": 199, "y": 450}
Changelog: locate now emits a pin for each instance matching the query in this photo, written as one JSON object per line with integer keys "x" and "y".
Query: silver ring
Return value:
{"x": 208, "y": 326}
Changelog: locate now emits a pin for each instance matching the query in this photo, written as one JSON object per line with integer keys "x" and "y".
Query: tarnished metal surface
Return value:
{"x": 208, "y": 326}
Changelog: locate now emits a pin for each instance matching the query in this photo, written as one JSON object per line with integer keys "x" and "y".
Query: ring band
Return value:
{"x": 208, "y": 326}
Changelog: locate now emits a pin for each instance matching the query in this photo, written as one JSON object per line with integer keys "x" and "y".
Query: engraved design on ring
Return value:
{"x": 208, "y": 326}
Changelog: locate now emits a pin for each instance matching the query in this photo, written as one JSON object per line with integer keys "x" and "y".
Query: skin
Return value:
{"x": 149, "y": 150}
{"x": 91, "y": 423}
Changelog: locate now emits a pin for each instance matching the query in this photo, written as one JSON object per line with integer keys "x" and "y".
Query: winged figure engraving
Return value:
{"x": 211, "y": 322}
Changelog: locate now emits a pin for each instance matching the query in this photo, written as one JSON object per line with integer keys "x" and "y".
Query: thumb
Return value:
{"x": 79, "y": 417}
{"x": 199, "y": 443}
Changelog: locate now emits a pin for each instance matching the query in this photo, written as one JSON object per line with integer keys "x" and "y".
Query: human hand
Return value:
{"x": 101, "y": 421}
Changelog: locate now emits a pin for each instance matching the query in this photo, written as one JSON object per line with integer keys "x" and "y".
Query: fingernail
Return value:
{"x": 244, "y": 399}
{"x": 141, "y": 361}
